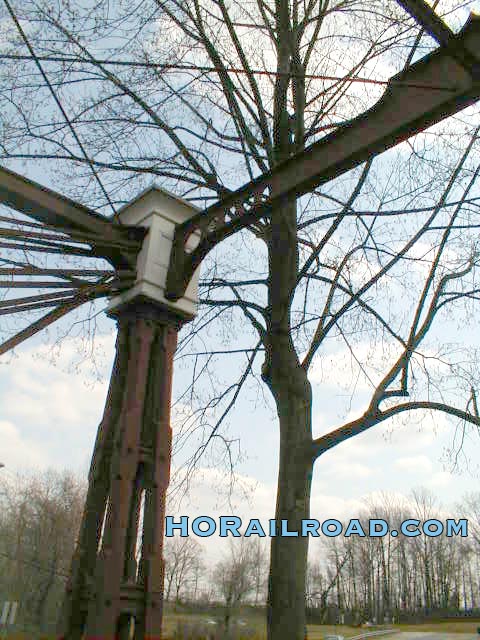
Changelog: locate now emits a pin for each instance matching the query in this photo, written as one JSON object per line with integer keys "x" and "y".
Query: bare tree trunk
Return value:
{"x": 169, "y": 582}
{"x": 286, "y": 584}
{"x": 282, "y": 372}
{"x": 292, "y": 392}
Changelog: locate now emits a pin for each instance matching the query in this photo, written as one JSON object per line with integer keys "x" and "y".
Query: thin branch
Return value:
{"x": 60, "y": 106}
{"x": 368, "y": 420}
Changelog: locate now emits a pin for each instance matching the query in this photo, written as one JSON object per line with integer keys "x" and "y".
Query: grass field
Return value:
{"x": 318, "y": 632}
{"x": 446, "y": 626}
{"x": 315, "y": 632}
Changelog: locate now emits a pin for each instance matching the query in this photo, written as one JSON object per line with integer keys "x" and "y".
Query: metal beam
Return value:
{"x": 407, "y": 107}
{"x": 57, "y": 313}
{"x": 64, "y": 301}
{"x": 431, "y": 22}
{"x": 57, "y": 211}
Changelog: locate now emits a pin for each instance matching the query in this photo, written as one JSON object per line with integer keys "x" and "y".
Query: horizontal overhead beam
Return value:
{"x": 407, "y": 107}
{"x": 77, "y": 300}
{"x": 57, "y": 211}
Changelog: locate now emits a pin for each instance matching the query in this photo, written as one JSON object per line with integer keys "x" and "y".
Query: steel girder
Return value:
{"x": 116, "y": 243}
{"x": 413, "y": 101}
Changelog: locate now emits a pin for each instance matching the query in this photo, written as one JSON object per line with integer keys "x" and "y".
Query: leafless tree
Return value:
{"x": 234, "y": 578}
{"x": 206, "y": 94}
{"x": 471, "y": 504}
{"x": 40, "y": 517}
{"x": 367, "y": 578}
{"x": 259, "y": 557}
{"x": 182, "y": 564}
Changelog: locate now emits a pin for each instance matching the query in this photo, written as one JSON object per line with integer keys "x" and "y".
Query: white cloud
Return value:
{"x": 417, "y": 431}
{"x": 52, "y": 411}
{"x": 17, "y": 451}
{"x": 252, "y": 499}
{"x": 439, "y": 480}
{"x": 60, "y": 401}
{"x": 325, "y": 506}
{"x": 342, "y": 466}
{"x": 414, "y": 464}
{"x": 360, "y": 368}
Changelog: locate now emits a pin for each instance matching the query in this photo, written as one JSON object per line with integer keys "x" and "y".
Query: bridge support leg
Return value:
{"x": 115, "y": 589}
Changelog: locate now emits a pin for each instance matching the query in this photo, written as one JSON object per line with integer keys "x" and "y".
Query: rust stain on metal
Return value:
{"x": 111, "y": 583}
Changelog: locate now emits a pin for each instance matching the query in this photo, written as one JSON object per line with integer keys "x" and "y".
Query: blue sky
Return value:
{"x": 49, "y": 416}
{"x": 50, "y": 410}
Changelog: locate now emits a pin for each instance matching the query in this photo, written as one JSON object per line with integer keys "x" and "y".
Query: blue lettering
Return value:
{"x": 354, "y": 526}
{"x": 285, "y": 532}
{"x": 427, "y": 528}
{"x": 373, "y": 531}
{"x": 454, "y": 527}
{"x": 326, "y": 528}
{"x": 199, "y": 532}
{"x": 310, "y": 527}
{"x": 408, "y": 532}
{"x": 170, "y": 525}
{"x": 230, "y": 524}
{"x": 254, "y": 528}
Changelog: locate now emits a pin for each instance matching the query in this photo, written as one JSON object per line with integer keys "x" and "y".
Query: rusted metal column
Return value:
{"x": 75, "y": 605}
{"x": 117, "y": 581}
{"x": 116, "y": 585}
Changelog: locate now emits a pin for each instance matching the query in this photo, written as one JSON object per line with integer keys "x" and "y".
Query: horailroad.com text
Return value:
{"x": 205, "y": 527}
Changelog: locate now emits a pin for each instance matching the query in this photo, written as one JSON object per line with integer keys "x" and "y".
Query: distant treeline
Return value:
{"x": 350, "y": 580}
{"x": 405, "y": 579}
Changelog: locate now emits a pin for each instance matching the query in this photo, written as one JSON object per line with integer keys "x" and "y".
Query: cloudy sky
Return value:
{"x": 50, "y": 410}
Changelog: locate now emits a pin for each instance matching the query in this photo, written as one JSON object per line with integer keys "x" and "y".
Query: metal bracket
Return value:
{"x": 119, "y": 244}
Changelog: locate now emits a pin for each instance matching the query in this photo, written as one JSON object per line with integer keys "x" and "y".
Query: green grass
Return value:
{"x": 317, "y": 632}
{"x": 443, "y": 626}
{"x": 256, "y": 621}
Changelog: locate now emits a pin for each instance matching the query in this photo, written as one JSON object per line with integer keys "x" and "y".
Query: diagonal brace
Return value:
{"x": 57, "y": 211}
{"x": 408, "y": 106}
{"x": 436, "y": 27}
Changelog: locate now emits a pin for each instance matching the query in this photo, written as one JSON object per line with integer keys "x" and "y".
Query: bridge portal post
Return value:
{"x": 115, "y": 589}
